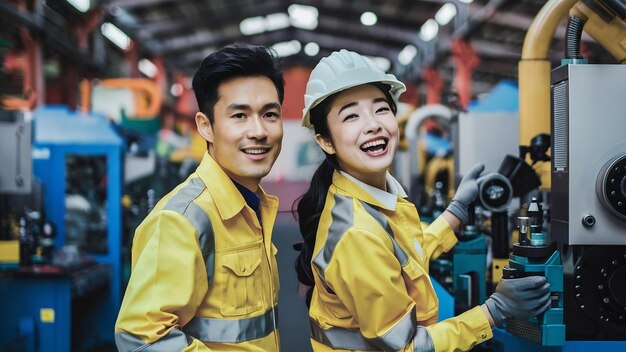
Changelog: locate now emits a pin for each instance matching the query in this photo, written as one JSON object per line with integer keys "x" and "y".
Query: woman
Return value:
{"x": 364, "y": 250}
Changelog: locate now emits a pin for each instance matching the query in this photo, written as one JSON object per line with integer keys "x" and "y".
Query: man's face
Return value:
{"x": 246, "y": 135}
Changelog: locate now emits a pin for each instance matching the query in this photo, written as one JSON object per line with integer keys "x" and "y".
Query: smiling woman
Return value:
{"x": 365, "y": 255}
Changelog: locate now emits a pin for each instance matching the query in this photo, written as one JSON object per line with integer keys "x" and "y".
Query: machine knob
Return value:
{"x": 611, "y": 186}
{"x": 509, "y": 273}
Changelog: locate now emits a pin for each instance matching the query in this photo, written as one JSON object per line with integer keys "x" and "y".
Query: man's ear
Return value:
{"x": 325, "y": 144}
{"x": 204, "y": 127}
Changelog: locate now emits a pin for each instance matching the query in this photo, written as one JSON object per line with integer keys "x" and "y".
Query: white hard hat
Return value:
{"x": 341, "y": 70}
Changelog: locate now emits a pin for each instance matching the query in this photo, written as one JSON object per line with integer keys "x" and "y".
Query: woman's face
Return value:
{"x": 363, "y": 134}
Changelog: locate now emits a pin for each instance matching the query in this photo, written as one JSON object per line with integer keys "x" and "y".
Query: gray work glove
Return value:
{"x": 465, "y": 193}
{"x": 519, "y": 298}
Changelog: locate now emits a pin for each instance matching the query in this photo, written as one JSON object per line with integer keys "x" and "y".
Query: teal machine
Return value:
{"x": 469, "y": 266}
{"x": 534, "y": 255}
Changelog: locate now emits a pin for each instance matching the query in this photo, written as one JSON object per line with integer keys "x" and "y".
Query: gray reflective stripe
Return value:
{"x": 351, "y": 339}
{"x": 340, "y": 338}
{"x": 231, "y": 331}
{"x": 342, "y": 218}
{"x": 398, "y": 252}
{"x": 182, "y": 202}
{"x": 398, "y": 336}
{"x": 422, "y": 341}
{"x": 175, "y": 340}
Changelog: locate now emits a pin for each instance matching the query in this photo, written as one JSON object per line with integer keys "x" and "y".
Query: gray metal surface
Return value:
{"x": 15, "y": 153}
{"x": 590, "y": 133}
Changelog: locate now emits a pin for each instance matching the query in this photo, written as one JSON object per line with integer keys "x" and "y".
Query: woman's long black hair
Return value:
{"x": 311, "y": 203}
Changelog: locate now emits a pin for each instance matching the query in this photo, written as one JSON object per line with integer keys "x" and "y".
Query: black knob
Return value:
{"x": 589, "y": 220}
{"x": 509, "y": 273}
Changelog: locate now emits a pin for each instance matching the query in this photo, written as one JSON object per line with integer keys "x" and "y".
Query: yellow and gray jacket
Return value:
{"x": 181, "y": 299}
{"x": 372, "y": 288}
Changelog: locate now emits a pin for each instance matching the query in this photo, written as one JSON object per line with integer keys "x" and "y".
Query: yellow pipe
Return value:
{"x": 534, "y": 70}
{"x": 534, "y": 77}
{"x": 611, "y": 35}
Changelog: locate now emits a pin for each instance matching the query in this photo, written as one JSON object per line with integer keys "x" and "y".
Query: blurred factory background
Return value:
{"x": 96, "y": 124}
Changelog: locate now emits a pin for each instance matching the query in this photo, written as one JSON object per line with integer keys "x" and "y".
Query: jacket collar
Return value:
{"x": 372, "y": 195}
{"x": 228, "y": 199}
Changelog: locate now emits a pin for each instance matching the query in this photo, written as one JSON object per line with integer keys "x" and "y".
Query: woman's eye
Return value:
{"x": 383, "y": 109}
{"x": 350, "y": 117}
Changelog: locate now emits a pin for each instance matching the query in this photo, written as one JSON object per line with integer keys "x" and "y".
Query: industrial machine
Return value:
{"x": 583, "y": 255}
{"x": 589, "y": 197}
{"x": 78, "y": 160}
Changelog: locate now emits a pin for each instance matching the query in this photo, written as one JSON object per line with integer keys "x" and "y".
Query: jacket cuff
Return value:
{"x": 446, "y": 237}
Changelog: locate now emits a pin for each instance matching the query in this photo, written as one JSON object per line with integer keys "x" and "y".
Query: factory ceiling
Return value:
{"x": 182, "y": 32}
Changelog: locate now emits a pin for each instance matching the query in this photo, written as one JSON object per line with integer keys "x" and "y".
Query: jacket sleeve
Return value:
{"x": 165, "y": 288}
{"x": 438, "y": 238}
{"x": 367, "y": 279}
{"x": 462, "y": 332}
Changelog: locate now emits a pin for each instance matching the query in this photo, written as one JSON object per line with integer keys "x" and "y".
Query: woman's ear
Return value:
{"x": 325, "y": 144}
{"x": 204, "y": 127}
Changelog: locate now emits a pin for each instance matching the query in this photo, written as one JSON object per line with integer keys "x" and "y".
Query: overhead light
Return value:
{"x": 115, "y": 35}
{"x": 382, "y": 62}
{"x": 466, "y": 1}
{"x": 176, "y": 89}
{"x": 429, "y": 30}
{"x": 80, "y": 5}
{"x": 276, "y": 21}
{"x": 445, "y": 13}
{"x": 260, "y": 24}
{"x": 311, "y": 49}
{"x": 368, "y": 18}
{"x": 407, "y": 54}
{"x": 289, "y": 48}
{"x": 303, "y": 16}
{"x": 252, "y": 25}
{"x": 147, "y": 68}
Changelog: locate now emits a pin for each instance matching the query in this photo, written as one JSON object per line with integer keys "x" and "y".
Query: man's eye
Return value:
{"x": 239, "y": 116}
{"x": 383, "y": 109}
{"x": 271, "y": 115}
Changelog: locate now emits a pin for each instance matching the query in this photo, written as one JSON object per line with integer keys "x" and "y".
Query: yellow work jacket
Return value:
{"x": 169, "y": 304}
{"x": 372, "y": 288}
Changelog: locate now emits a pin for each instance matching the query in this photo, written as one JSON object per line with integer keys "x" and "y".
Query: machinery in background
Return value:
{"x": 15, "y": 179}
{"x": 589, "y": 197}
{"x": 78, "y": 160}
{"x": 469, "y": 266}
{"x": 588, "y": 185}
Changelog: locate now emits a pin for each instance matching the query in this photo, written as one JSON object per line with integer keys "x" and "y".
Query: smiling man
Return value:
{"x": 204, "y": 275}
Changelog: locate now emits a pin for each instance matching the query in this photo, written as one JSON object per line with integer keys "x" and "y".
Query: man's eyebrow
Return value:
{"x": 266, "y": 107}
{"x": 235, "y": 107}
{"x": 270, "y": 106}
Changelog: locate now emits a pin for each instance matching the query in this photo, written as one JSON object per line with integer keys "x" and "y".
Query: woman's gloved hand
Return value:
{"x": 520, "y": 298}
{"x": 465, "y": 193}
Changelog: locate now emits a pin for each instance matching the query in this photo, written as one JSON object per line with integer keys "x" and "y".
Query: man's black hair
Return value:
{"x": 232, "y": 61}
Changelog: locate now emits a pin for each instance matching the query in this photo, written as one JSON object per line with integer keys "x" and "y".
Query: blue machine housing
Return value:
{"x": 91, "y": 295}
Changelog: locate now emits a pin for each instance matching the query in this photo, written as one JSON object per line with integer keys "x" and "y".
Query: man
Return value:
{"x": 204, "y": 275}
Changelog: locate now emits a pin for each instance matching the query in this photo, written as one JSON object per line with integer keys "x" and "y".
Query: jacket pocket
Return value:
{"x": 242, "y": 293}
{"x": 420, "y": 289}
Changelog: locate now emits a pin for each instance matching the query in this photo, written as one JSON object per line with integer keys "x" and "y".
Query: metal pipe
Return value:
{"x": 534, "y": 76}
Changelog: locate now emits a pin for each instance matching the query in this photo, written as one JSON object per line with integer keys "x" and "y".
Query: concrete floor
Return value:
{"x": 293, "y": 321}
